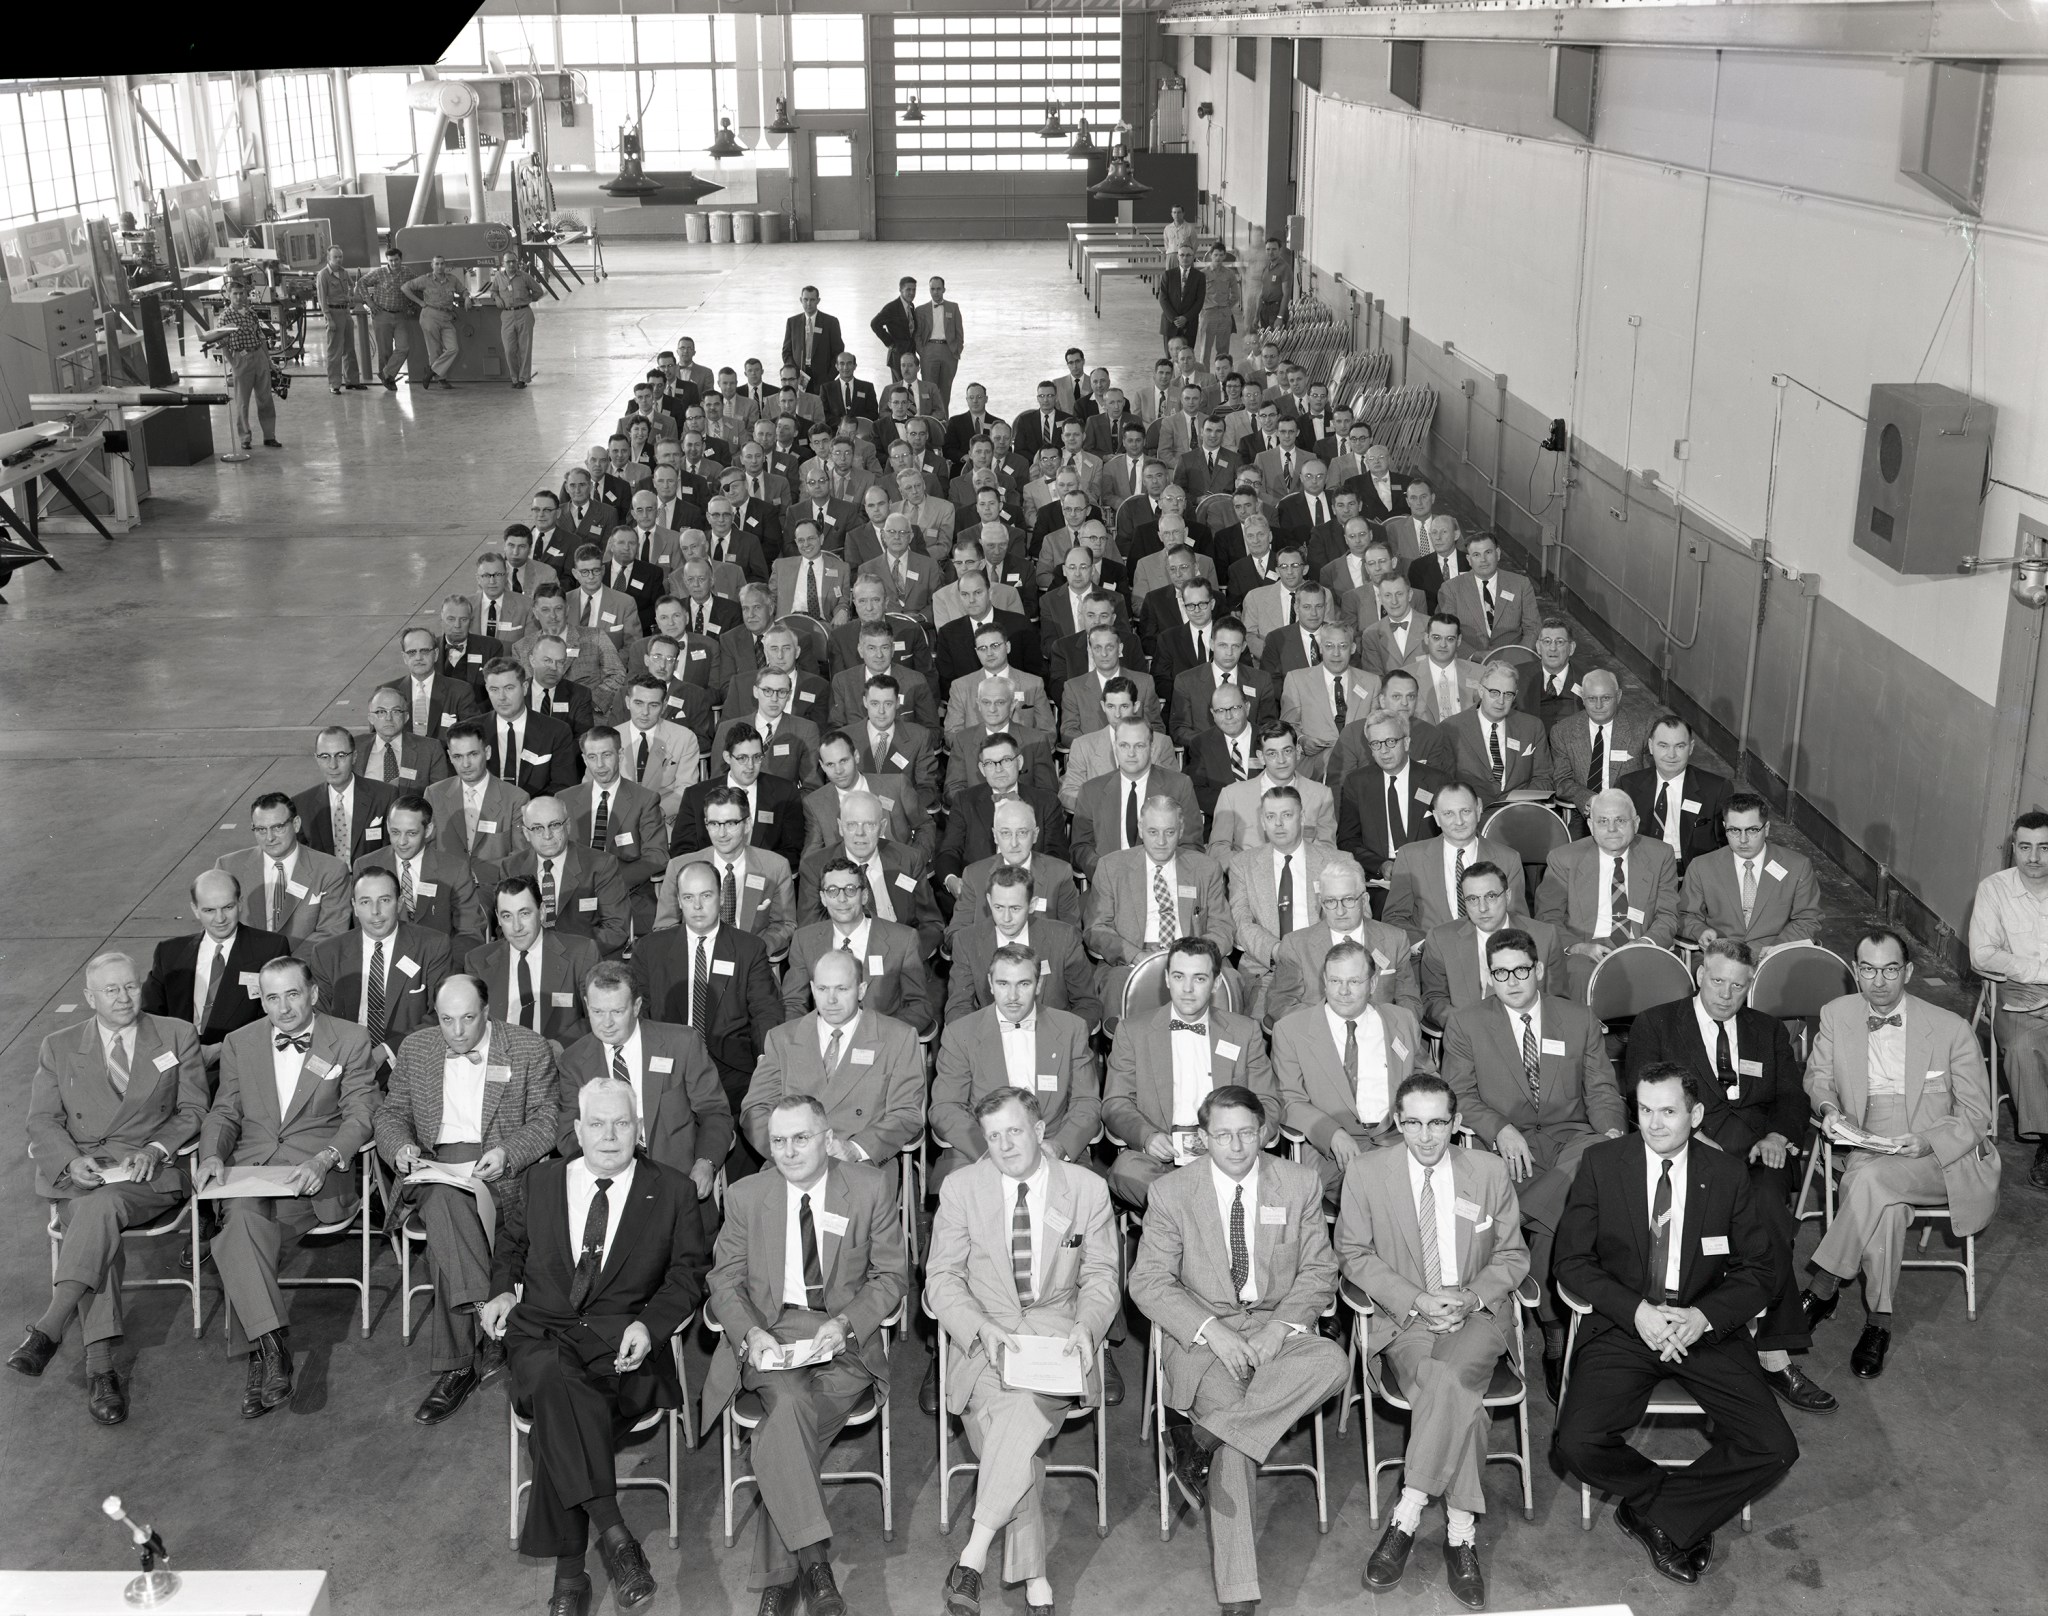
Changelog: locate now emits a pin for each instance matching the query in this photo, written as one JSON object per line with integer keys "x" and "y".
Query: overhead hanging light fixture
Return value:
{"x": 1052, "y": 128}
{"x": 913, "y": 113}
{"x": 727, "y": 144}
{"x": 631, "y": 180}
{"x": 784, "y": 124}
{"x": 1084, "y": 143}
{"x": 1119, "y": 184}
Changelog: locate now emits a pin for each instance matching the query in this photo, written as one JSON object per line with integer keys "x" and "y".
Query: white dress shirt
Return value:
{"x": 636, "y": 1067}
{"x": 1372, "y": 1098}
{"x": 286, "y": 1064}
{"x": 1192, "y": 1079}
{"x": 1226, "y": 1189}
{"x": 794, "y": 1291}
{"x": 1020, "y": 1050}
{"x": 1452, "y": 896}
{"x": 1034, "y": 1207}
{"x": 1653, "y": 1169}
{"x": 1673, "y": 793}
{"x": 581, "y": 1184}
{"x": 1442, "y": 1187}
{"x": 511, "y": 1000}
{"x": 462, "y": 1095}
{"x": 1707, "y": 1024}
{"x": 855, "y": 941}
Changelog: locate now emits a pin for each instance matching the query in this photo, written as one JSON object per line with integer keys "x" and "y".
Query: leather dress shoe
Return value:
{"x": 33, "y": 1356}
{"x": 1665, "y": 1555}
{"x": 270, "y": 1377}
{"x": 928, "y": 1388}
{"x": 1461, "y": 1571}
{"x": 1383, "y": 1567}
{"x": 445, "y": 1396}
{"x": 1190, "y": 1461}
{"x": 1038, "y": 1610}
{"x": 570, "y": 1598}
{"x": 252, "y": 1390}
{"x": 105, "y": 1399}
{"x": 1702, "y": 1554}
{"x": 625, "y": 1563}
{"x": 1866, "y": 1360}
{"x": 490, "y": 1358}
{"x": 1112, "y": 1382}
{"x": 1553, "y": 1377}
{"x": 2037, "y": 1174}
{"x": 780, "y": 1601}
{"x": 963, "y": 1591}
{"x": 821, "y": 1593}
{"x": 1793, "y": 1387}
{"x": 1818, "y": 1309}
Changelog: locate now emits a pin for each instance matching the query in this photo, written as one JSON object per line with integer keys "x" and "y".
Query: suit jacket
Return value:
{"x": 1729, "y": 1265}
{"x": 1418, "y": 884}
{"x": 636, "y": 836}
{"x": 925, "y": 580}
{"x": 895, "y": 325}
{"x": 1948, "y": 1094}
{"x": 1571, "y": 753}
{"x": 313, "y": 904}
{"x": 618, "y": 614}
{"x": 897, "y": 983}
{"x": 962, "y": 430}
{"x": 849, "y": 698}
{"x": 955, "y": 331}
{"x": 1702, "y": 798}
{"x": 1137, "y": 1092}
{"x": 519, "y": 1108}
{"x": 74, "y": 1109}
{"x": 1378, "y": 649}
{"x": 1305, "y": 703}
{"x": 1235, "y": 824}
{"x": 594, "y": 663}
{"x": 1568, "y": 896}
{"x": 1054, "y": 893}
{"x": 1469, "y": 674}
{"x": 1033, "y": 709}
{"x": 1298, "y": 968}
{"x": 1188, "y": 713}
{"x": 1180, "y": 301}
{"x": 1517, "y": 614}
{"x": 1482, "y": 1061}
{"x": 416, "y": 963}
{"x": 778, "y": 818}
{"x": 237, "y": 1001}
{"x": 860, "y": 1250}
{"x": 497, "y": 826}
{"x": 1066, "y": 977}
{"x": 842, "y": 399}
{"x": 547, "y": 754}
{"x": 834, "y": 580}
{"x": 1379, "y": 1240}
{"x": 1371, "y": 504}
{"x": 906, "y": 820}
{"x": 1209, "y": 769}
{"x": 421, "y": 761}
{"x": 1255, "y": 903}
{"x": 825, "y": 351}
{"x": 1768, "y": 1094}
{"x": 1192, "y": 472}
{"x": 1094, "y": 754}
{"x": 740, "y": 1004}
{"x": 1099, "y": 815}
{"x": 652, "y": 1276}
{"x": 330, "y": 1107}
{"x": 1081, "y": 703}
{"x": 1426, "y": 577}
{"x": 642, "y": 583}
{"x": 1180, "y": 1278}
{"x": 565, "y": 960}
{"x": 445, "y": 898}
{"x": 766, "y": 897}
{"x": 592, "y": 899}
{"x": 1525, "y": 753}
{"x": 567, "y": 701}
{"x": 874, "y": 1098}
{"x": 972, "y": 1065}
{"x": 1449, "y": 972}
{"x": 911, "y": 756}
{"x": 1787, "y": 908}
{"x": 1028, "y": 434}
{"x": 1308, "y": 1064}
{"x": 674, "y": 762}
{"x": 905, "y": 873}
{"x": 1119, "y": 904}
{"x": 970, "y": 832}
{"x": 956, "y": 658}
{"x": 1363, "y": 830}
{"x": 685, "y": 1117}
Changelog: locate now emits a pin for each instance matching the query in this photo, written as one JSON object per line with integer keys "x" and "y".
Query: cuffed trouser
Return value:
{"x": 1444, "y": 1377}
{"x": 803, "y": 1412}
{"x": 245, "y": 1254}
{"x": 341, "y": 350}
{"x": 443, "y": 346}
{"x": 458, "y": 1262}
{"x": 570, "y": 1444}
{"x": 2023, "y": 1058}
{"x": 937, "y": 363}
{"x": 91, "y": 1253}
{"x": 1873, "y": 1207}
{"x": 1008, "y": 1431}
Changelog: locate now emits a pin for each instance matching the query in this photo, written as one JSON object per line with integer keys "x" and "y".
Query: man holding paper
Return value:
{"x": 296, "y": 1094}
{"x": 1234, "y": 1270}
{"x": 115, "y": 1098}
{"x": 808, "y": 1265}
{"x": 1023, "y": 1249}
{"x": 482, "y": 1095}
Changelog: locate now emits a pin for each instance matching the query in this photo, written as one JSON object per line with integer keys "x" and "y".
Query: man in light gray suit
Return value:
{"x": 1144, "y": 897}
{"x": 287, "y": 887}
{"x": 1234, "y": 1271}
{"x": 1272, "y": 893}
{"x": 1450, "y": 967}
{"x": 1422, "y": 881}
{"x": 1749, "y": 891}
{"x": 1609, "y": 888}
{"x": 1107, "y": 812}
{"x": 1022, "y": 1245}
{"x": 1343, "y": 917}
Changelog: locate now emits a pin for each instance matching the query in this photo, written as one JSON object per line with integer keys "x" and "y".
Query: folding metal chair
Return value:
{"x": 1534, "y": 830}
{"x": 182, "y": 1219}
{"x": 1634, "y": 977}
{"x": 1794, "y": 980}
{"x": 1986, "y": 1016}
{"x": 1925, "y": 1218}
{"x": 360, "y": 1224}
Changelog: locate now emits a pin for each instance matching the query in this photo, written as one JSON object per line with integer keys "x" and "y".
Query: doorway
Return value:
{"x": 839, "y": 178}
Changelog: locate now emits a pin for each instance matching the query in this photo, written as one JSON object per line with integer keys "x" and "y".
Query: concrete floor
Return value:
{"x": 153, "y": 687}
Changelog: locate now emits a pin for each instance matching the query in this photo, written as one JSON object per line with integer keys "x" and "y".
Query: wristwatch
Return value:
{"x": 330, "y": 1151}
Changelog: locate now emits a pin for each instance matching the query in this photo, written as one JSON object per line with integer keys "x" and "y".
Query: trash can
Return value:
{"x": 743, "y": 227}
{"x": 771, "y": 225}
{"x": 696, "y": 228}
{"x": 721, "y": 226}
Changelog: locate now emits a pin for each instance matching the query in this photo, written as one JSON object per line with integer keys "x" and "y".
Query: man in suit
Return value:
{"x": 1678, "y": 804}
{"x": 1749, "y": 890}
{"x": 908, "y": 576}
{"x": 834, "y": 518}
{"x": 287, "y": 887}
{"x": 2007, "y": 944}
{"x": 811, "y": 342}
{"x": 1234, "y": 1270}
{"x": 327, "y": 1069}
{"x": 120, "y": 1094}
{"x": 1181, "y": 290}
{"x": 1534, "y": 1083}
{"x": 1083, "y": 699}
{"x": 463, "y": 654}
{"x": 1442, "y": 561}
{"x": 1038, "y": 429}
{"x": 1013, "y": 915}
{"x": 1236, "y": 823}
{"x": 1191, "y": 711}
{"x": 383, "y": 974}
{"x": 1496, "y": 608}
{"x": 897, "y": 983}
{"x": 534, "y": 751}
{"x": 840, "y": 761}
{"x": 587, "y": 1332}
{"x": 1344, "y": 916}
{"x": 810, "y": 581}
{"x": 810, "y": 1254}
{"x": 1381, "y": 490}
{"x": 755, "y": 889}
{"x": 877, "y": 654}
{"x": 551, "y": 694}
{"x": 789, "y": 743}
{"x": 1093, "y": 753}
{"x": 1555, "y": 681}
{"x": 390, "y": 753}
{"x": 970, "y": 821}
{"x": 1598, "y": 747}
{"x": 1888, "y": 1064}
{"x": 1396, "y": 633}
{"x": 1610, "y": 888}
{"x": 1755, "y": 1110}
{"x": 846, "y": 396}
{"x": 1450, "y": 968}
{"x": 501, "y": 611}
{"x": 1272, "y": 893}
{"x": 210, "y": 977}
{"x": 1224, "y": 752}
{"x": 1142, "y": 898}
{"x": 535, "y": 973}
{"x": 478, "y": 813}
{"x": 1384, "y": 807}
{"x": 1015, "y": 831}
{"x": 1023, "y": 1244}
{"x": 971, "y": 423}
{"x": 1283, "y": 616}
{"x": 1447, "y": 682}
{"x": 775, "y": 812}
{"x": 1665, "y": 1242}
{"x": 1163, "y": 1062}
{"x": 1434, "y": 1236}
{"x": 619, "y": 817}
{"x": 1354, "y": 576}
{"x": 1502, "y": 754}
{"x": 1423, "y": 878}
{"x": 895, "y": 323}
{"x": 1208, "y": 468}
{"x": 993, "y": 642}
{"x": 1107, "y": 812}
{"x": 437, "y": 890}
{"x": 593, "y": 661}
{"x": 1319, "y": 701}
{"x": 597, "y": 606}
{"x": 581, "y": 889}
{"x": 895, "y": 873}
{"x": 940, "y": 337}
{"x": 641, "y": 583}
{"x": 483, "y": 1094}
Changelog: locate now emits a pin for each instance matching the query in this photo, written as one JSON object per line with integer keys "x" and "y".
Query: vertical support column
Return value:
{"x": 344, "y": 128}
{"x": 472, "y": 130}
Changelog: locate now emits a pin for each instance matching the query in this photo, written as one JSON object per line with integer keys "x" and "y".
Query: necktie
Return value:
{"x": 696, "y": 617}
{"x": 601, "y": 821}
{"x": 1532, "y": 1062}
{"x": 273, "y": 894}
{"x": 1397, "y": 828}
{"x": 1131, "y": 815}
{"x": 285, "y": 1041}
{"x": 1162, "y": 900}
{"x": 1660, "y": 1237}
{"x": 832, "y": 1051}
{"x": 206, "y": 982}
{"x": 728, "y": 898}
{"x": 342, "y": 843}
{"x": 1596, "y": 771}
{"x": 547, "y": 892}
{"x": 1286, "y": 894}
{"x": 811, "y": 606}
{"x": 1425, "y": 1213}
{"x": 754, "y": 487}
{"x": 814, "y": 1267}
{"x": 422, "y": 702}
{"x": 1020, "y": 1246}
{"x": 619, "y": 1072}
{"x": 590, "y": 611}
{"x": 1201, "y": 647}
{"x": 1885, "y": 1021}
{"x": 1315, "y": 653}
{"x": 525, "y": 1015}
{"x": 472, "y": 807}
{"x": 1286, "y": 606}
{"x": 1724, "y": 1068}
{"x": 373, "y": 995}
{"x": 1486, "y": 600}
{"x": 387, "y": 761}
{"x": 590, "y": 1254}
{"x": 117, "y": 1065}
{"x": 1351, "y": 1058}
{"x": 1240, "y": 1250}
{"x": 1315, "y": 511}
{"x": 1748, "y": 889}
{"x": 406, "y": 894}
{"x": 1617, "y": 901}
{"x": 1500, "y": 767}
{"x": 1240, "y": 768}
{"x": 508, "y": 754}
{"x": 1657, "y": 813}
{"x": 700, "y": 988}
{"x": 640, "y": 759}
{"x": 1458, "y": 882}
{"x": 1174, "y": 1024}
{"x": 1337, "y": 701}
{"x": 491, "y": 616}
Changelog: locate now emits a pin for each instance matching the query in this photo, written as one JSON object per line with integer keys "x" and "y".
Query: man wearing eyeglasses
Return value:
{"x": 1609, "y": 888}
{"x": 755, "y": 892}
{"x": 1236, "y": 823}
{"x": 344, "y": 809}
{"x": 1450, "y": 967}
{"x": 1424, "y": 880}
{"x": 774, "y": 805}
{"x": 1503, "y": 752}
{"x": 1533, "y": 1081}
{"x": 897, "y": 983}
{"x": 1750, "y": 891}
{"x": 1902, "y": 1092}
{"x": 1054, "y": 892}
{"x": 1434, "y": 1236}
{"x": 1381, "y": 809}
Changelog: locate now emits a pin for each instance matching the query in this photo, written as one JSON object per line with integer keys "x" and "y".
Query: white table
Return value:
{"x": 201, "y": 1593}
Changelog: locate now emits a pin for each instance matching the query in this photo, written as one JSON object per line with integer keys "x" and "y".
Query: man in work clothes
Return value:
{"x": 390, "y": 308}
{"x": 514, "y": 291}
{"x": 438, "y": 295}
{"x": 337, "y": 295}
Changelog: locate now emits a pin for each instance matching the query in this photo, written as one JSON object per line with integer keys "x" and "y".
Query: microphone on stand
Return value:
{"x": 153, "y": 1586}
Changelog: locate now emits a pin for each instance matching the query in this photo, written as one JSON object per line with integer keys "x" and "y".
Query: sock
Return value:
{"x": 1774, "y": 1363}
{"x": 568, "y": 1568}
{"x": 1882, "y": 1320}
{"x": 1408, "y": 1511}
{"x": 1206, "y": 1439}
{"x": 66, "y": 1297}
{"x": 603, "y": 1513}
{"x": 1462, "y": 1526}
{"x": 1553, "y": 1340}
{"x": 1823, "y": 1284}
{"x": 819, "y": 1553}
{"x": 99, "y": 1356}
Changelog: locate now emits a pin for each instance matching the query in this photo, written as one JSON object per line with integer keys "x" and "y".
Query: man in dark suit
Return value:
{"x": 1039, "y": 428}
{"x": 776, "y": 805}
{"x": 462, "y": 654}
{"x": 1443, "y": 561}
{"x": 361, "y": 802}
{"x": 209, "y": 978}
{"x": 1664, "y": 1242}
{"x": 583, "y": 893}
{"x": 1226, "y": 751}
{"x": 970, "y": 822}
{"x": 384, "y": 973}
{"x": 1181, "y": 290}
{"x": 811, "y": 342}
{"x": 554, "y": 696}
{"x": 896, "y": 872}
{"x": 390, "y": 753}
{"x": 1381, "y": 809}
{"x": 1756, "y": 1111}
{"x": 846, "y": 396}
{"x": 895, "y": 323}
{"x": 971, "y": 423}
{"x": 535, "y": 974}
{"x": 1679, "y": 805}
{"x": 587, "y": 1335}
{"x": 957, "y": 657}
{"x": 535, "y": 751}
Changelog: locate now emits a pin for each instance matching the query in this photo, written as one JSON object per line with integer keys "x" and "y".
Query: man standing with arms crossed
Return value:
{"x": 513, "y": 290}
{"x": 337, "y": 295}
{"x": 438, "y": 296}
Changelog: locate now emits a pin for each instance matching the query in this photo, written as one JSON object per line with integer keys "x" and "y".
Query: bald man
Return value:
{"x": 209, "y": 977}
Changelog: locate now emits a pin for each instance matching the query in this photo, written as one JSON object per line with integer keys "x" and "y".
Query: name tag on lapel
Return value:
{"x": 1713, "y": 1245}
{"x": 1228, "y": 1051}
{"x": 876, "y": 965}
{"x": 1187, "y": 892}
{"x": 165, "y": 1061}
{"x": 409, "y": 966}
{"x": 766, "y": 816}
{"x": 862, "y": 1057}
{"x": 1507, "y": 594}
{"x": 447, "y": 718}
{"x": 250, "y": 985}
{"x": 587, "y": 905}
{"x": 1056, "y": 1219}
{"x": 906, "y": 883}
{"x": 721, "y": 967}
{"x": 1636, "y": 916}
{"x": 1382, "y": 963}
{"x": 661, "y": 1063}
{"x": 1775, "y": 870}
{"x": 700, "y": 654}
{"x": 899, "y": 760}
{"x": 1038, "y": 906}
{"x": 758, "y": 883}
{"x": 1511, "y": 743}
{"x": 562, "y": 1001}
{"x": 497, "y": 1074}
{"x": 834, "y": 1224}
{"x": 1689, "y": 805}
{"x": 318, "y": 1066}
{"x": 1273, "y": 1215}
{"x": 407, "y": 774}
{"x": 426, "y": 889}
{"x": 1400, "y": 1049}
{"x": 1048, "y": 1082}
{"x": 1750, "y": 1068}
{"x": 295, "y": 889}
{"x": 782, "y": 749}
{"x": 1614, "y": 753}
{"x": 807, "y": 695}
{"x": 1553, "y": 1046}
{"x": 1425, "y": 796}
{"x": 485, "y": 827}
{"x": 1468, "y": 1210}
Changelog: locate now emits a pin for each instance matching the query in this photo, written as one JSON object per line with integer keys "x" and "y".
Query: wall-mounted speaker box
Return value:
{"x": 1404, "y": 70}
{"x": 1926, "y": 470}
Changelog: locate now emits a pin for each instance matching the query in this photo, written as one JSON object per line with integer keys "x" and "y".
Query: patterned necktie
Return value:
{"x": 1458, "y": 882}
{"x": 1657, "y": 812}
{"x": 1885, "y": 1021}
{"x": 1596, "y": 770}
{"x": 373, "y": 995}
{"x": 832, "y": 1051}
{"x": 213, "y": 962}
{"x": 491, "y": 617}
{"x": 1337, "y": 702}
{"x": 117, "y": 1065}
{"x": 1020, "y": 1246}
{"x": 1425, "y": 1214}
{"x": 1162, "y": 900}
{"x": 814, "y": 1266}
{"x": 1315, "y": 652}
{"x": 342, "y": 843}
{"x": 811, "y": 607}
{"x": 590, "y": 1254}
{"x": 1285, "y": 902}
{"x": 273, "y": 894}
{"x": 700, "y": 989}
{"x": 728, "y": 899}
{"x": 1240, "y": 1249}
{"x": 601, "y": 821}
{"x": 1486, "y": 599}
{"x": 1500, "y": 766}
{"x": 1617, "y": 901}
{"x": 1532, "y": 1062}
{"x": 1724, "y": 1068}
{"x": 1351, "y": 1060}
{"x": 387, "y": 762}
{"x": 524, "y": 1015}
{"x": 1660, "y": 1237}
{"x": 1748, "y": 889}
{"x": 547, "y": 892}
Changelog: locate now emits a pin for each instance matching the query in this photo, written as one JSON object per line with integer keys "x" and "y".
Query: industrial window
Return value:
{"x": 828, "y": 56}
{"x": 984, "y": 83}
{"x": 674, "y": 75}
{"x": 1203, "y": 47}
{"x": 298, "y": 126}
{"x": 224, "y": 119}
{"x": 160, "y": 170}
{"x": 833, "y": 155}
{"x": 386, "y": 136}
{"x": 55, "y": 154}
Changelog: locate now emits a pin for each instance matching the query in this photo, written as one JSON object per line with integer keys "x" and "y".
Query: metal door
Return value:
{"x": 839, "y": 180}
